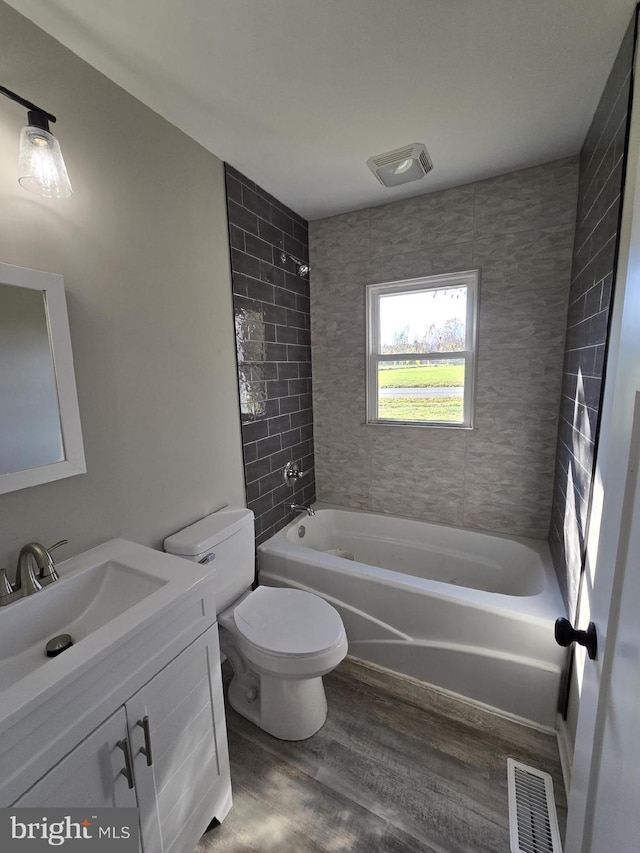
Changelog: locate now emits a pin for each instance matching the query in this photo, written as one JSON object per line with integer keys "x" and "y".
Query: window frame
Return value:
{"x": 467, "y": 278}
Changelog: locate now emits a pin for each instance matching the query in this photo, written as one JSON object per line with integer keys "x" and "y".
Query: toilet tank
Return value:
{"x": 224, "y": 541}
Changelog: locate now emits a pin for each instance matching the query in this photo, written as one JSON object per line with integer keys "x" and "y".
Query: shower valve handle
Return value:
{"x": 292, "y": 473}
{"x": 566, "y": 634}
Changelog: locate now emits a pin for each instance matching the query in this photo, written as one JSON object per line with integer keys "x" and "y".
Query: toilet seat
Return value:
{"x": 289, "y": 632}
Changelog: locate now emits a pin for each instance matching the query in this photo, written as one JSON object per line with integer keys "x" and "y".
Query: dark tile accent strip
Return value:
{"x": 601, "y": 182}
{"x": 271, "y": 310}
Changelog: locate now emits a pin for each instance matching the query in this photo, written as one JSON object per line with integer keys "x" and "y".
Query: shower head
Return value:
{"x": 302, "y": 269}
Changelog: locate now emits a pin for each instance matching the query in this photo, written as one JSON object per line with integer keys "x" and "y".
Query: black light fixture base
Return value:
{"x": 39, "y": 114}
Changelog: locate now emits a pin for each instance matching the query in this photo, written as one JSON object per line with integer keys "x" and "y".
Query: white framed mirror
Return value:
{"x": 40, "y": 434}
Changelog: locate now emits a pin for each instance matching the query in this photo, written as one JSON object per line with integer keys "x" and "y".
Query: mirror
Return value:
{"x": 40, "y": 436}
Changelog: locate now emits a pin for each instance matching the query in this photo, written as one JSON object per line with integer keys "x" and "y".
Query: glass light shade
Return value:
{"x": 41, "y": 166}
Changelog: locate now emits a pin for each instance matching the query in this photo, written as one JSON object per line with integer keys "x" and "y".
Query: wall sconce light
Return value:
{"x": 302, "y": 269}
{"x": 41, "y": 166}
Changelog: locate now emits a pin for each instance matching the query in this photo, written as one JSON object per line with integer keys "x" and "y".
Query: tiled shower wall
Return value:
{"x": 592, "y": 277}
{"x": 518, "y": 229}
{"x": 271, "y": 309}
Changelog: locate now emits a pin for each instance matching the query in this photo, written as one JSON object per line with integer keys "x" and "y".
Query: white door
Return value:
{"x": 604, "y": 805}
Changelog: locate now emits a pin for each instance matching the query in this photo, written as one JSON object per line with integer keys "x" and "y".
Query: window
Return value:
{"x": 421, "y": 344}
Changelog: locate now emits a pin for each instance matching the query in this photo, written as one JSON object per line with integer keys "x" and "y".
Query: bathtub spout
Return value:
{"x": 302, "y": 508}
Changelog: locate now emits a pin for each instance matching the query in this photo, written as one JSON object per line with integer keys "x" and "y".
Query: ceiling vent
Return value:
{"x": 401, "y": 165}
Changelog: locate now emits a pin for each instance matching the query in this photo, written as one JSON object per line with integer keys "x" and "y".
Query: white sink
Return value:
{"x": 102, "y": 598}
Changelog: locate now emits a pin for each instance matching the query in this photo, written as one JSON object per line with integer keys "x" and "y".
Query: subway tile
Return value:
{"x": 296, "y": 248}
{"x": 290, "y": 438}
{"x": 257, "y": 469}
{"x": 271, "y": 273}
{"x": 258, "y": 248}
{"x": 254, "y": 202}
{"x": 270, "y": 233}
{"x": 275, "y": 314}
{"x": 242, "y": 218}
{"x": 300, "y": 419}
{"x": 267, "y": 446}
{"x": 277, "y": 388}
{"x": 280, "y": 424}
{"x": 238, "y": 176}
{"x": 245, "y": 264}
{"x": 275, "y": 352}
{"x": 288, "y": 370}
{"x": 286, "y": 335}
{"x": 233, "y": 188}
{"x": 254, "y": 430}
{"x": 301, "y": 233}
{"x": 296, "y": 318}
{"x": 298, "y": 386}
{"x": 281, "y": 220}
{"x": 271, "y": 308}
{"x": 285, "y": 298}
{"x": 236, "y": 237}
{"x": 291, "y": 403}
{"x": 298, "y": 353}
{"x": 269, "y": 483}
{"x": 277, "y": 461}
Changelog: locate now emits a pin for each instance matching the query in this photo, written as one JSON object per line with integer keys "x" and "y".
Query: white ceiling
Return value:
{"x": 297, "y": 94}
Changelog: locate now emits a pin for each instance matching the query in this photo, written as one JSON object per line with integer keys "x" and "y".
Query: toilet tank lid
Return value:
{"x": 210, "y": 531}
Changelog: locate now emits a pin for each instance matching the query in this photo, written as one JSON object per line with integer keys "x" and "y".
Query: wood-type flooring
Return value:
{"x": 397, "y": 768}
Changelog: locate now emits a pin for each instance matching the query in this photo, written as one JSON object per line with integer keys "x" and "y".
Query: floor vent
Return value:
{"x": 533, "y": 823}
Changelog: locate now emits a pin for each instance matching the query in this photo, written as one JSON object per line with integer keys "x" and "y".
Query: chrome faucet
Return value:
{"x": 33, "y": 558}
{"x": 302, "y": 508}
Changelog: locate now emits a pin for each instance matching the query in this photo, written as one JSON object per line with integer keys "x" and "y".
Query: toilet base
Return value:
{"x": 287, "y": 708}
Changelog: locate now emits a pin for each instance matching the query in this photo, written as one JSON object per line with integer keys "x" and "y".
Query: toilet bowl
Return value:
{"x": 288, "y": 640}
{"x": 279, "y": 641}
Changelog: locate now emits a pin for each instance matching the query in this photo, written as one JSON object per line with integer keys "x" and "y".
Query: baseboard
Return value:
{"x": 565, "y": 748}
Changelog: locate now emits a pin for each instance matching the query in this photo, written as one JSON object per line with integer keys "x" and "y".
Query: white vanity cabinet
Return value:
{"x": 90, "y": 776}
{"x": 178, "y": 742}
{"x": 169, "y": 738}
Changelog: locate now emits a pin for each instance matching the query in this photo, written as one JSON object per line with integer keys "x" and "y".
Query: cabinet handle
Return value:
{"x": 146, "y": 749}
{"x": 127, "y": 771}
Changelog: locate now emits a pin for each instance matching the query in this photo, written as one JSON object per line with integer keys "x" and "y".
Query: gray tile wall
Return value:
{"x": 601, "y": 179}
{"x": 271, "y": 308}
{"x": 518, "y": 228}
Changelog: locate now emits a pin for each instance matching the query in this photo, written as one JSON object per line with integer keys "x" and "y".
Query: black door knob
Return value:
{"x": 566, "y": 634}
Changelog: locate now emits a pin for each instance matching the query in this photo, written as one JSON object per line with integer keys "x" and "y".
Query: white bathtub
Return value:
{"x": 471, "y": 613}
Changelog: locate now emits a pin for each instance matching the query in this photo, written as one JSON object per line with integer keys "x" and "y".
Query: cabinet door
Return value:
{"x": 90, "y": 776}
{"x": 179, "y": 744}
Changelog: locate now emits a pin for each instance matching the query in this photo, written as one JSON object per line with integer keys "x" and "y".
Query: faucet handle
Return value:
{"x": 7, "y": 593}
{"x": 57, "y": 545}
{"x": 292, "y": 473}
{"x": 48, "y": 573}
{"x": 5, "y": 585}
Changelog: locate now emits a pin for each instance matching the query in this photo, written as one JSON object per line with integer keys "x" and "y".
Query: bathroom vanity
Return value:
{"x": 132, "y": 714}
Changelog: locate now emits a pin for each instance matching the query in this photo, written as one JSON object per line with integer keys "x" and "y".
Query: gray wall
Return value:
{"x": 518, "y": 228}
{"x": 143, "y": 248}
{"x": 602, "y": 164}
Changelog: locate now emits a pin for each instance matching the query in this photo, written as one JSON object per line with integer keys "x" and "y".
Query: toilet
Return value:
{"x": 279, "y": 641}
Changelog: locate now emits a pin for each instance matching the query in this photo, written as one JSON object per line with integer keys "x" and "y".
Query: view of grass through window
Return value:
{"x": 424, "y": 391}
